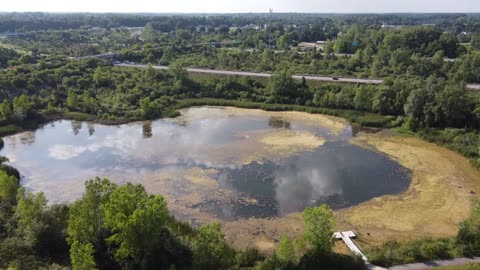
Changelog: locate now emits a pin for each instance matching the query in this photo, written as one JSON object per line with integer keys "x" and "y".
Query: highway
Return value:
{"x": 262, "y": 74}
{"x": 473, "y": 87}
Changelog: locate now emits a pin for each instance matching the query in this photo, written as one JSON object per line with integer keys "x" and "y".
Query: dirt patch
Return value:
{"x": 260, "y": 145}
{"x": 202, "y": 177}
{"x": 285, "y": 139}
{"x": 262, "y": 233}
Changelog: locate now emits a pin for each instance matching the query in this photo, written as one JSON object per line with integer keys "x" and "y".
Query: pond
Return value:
{"x": 226, "y": 163}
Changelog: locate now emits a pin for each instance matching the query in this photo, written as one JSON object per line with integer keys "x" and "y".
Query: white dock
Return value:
{"x": 347, "y": 239}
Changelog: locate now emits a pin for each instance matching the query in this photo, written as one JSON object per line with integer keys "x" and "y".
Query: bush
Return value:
{"x": 11, "y": 171}
{"x": 468, "y": 237}
{"x": 78, "y": 116}
{"x": 248, "y": 257}
{"x": 393, "y": 253}
{"x": 330, "y": 261}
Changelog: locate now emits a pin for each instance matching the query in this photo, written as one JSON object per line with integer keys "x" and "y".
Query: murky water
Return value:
{"x": 228, "y": 165}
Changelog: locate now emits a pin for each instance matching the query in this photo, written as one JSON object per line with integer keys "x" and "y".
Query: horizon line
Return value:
{"x": 244, "y": 12}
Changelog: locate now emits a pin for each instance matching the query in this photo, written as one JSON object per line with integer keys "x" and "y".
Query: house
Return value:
{"x": 391, "y": 26}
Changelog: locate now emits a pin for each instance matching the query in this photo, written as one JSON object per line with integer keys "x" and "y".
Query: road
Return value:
{"x": 435, "y": 264}
{"x": 473, "y": 87}
{"x": 263, "y": 74}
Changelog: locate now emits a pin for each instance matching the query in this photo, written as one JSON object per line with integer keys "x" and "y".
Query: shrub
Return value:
{"x": 393, "y": 253}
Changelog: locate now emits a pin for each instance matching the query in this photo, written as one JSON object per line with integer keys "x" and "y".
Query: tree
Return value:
{"x": 72, "y": 100}
{"x": 475, "y": 41}
{"x": 224, "y": 30}
{"x": 317, "y": 228}
{"x": 455, "y": 106}
{"x": 384, "y": 100}
{"x": 146, "y": 107}
{"x": 282, "y": 87}
{"x": 210, "y": 250}
{"x": 284, "y": 41}
{"x": 100, "y": 77}
{"x": 81, "y": 256}
{"x": 138, "y": 224}
{"x": 21, "y": 106}
{"x": 86, "y": 222}
{"x": 5, "y": 109}
{"x": 26, "y": 59}
{"x": 8, "y": 188}
{"x": 178, "y": 71}
{"x": 149, "y": 34}
{"x": 88, "y": 102}
{"x": 29, "y": 215}
{"x": 286, "y": 251}
{"x": 363, "y": 98}
{"x": 150, "y": 72}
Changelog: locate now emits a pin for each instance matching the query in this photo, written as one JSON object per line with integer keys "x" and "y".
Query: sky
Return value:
{"x": 237, "y": 6}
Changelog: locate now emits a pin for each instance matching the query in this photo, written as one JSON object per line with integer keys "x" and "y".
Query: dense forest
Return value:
{"x": 426, "y": 62}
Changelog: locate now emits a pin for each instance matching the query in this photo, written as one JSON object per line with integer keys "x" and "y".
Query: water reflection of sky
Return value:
{"x": 60, "y": 156}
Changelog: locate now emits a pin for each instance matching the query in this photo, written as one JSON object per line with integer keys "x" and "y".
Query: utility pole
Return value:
{"x": 270, "y": 29}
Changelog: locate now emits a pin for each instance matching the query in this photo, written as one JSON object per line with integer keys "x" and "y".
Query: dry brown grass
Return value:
{"x": 438, "y": 199}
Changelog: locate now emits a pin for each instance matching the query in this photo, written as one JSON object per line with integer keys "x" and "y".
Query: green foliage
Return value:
{"x": 315, "y": 259}
{"x": 8, "y": 188}
{"x": 72, "y": 100}
{"x": 211, "y": 252}
{"x": 86, "y": 217}
{"x": 81, "y": 256}
{"x": 28, "y": 212}
{"x": 137, "y": 222}
{"x": 78, "y": 116}
{"x": 317, "y": 228}
{"x": 5, "y": 109}
{"x": 468, "y": 237}
{"x": 282, "y": 87}
{"x": 248, "y": 257}
{"x": 394, "y": 253}
{"x": 286, "y": 251}
{"x": 21, "y": 106}
{"x": 146, "y": 107}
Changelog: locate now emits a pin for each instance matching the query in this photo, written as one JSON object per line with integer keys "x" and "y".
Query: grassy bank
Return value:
{"x": 358, "y": 117}
{"x": 9, "y": 129}
{"x": 422, "y": 250}
{"x": 462, "y": 141}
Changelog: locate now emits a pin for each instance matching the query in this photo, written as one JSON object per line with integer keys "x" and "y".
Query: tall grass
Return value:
{"x": 9, "y": 129}
{"x": 422, "y": 250}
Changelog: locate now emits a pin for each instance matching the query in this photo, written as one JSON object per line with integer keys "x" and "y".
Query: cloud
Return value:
{"x": 65, "y": 152}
